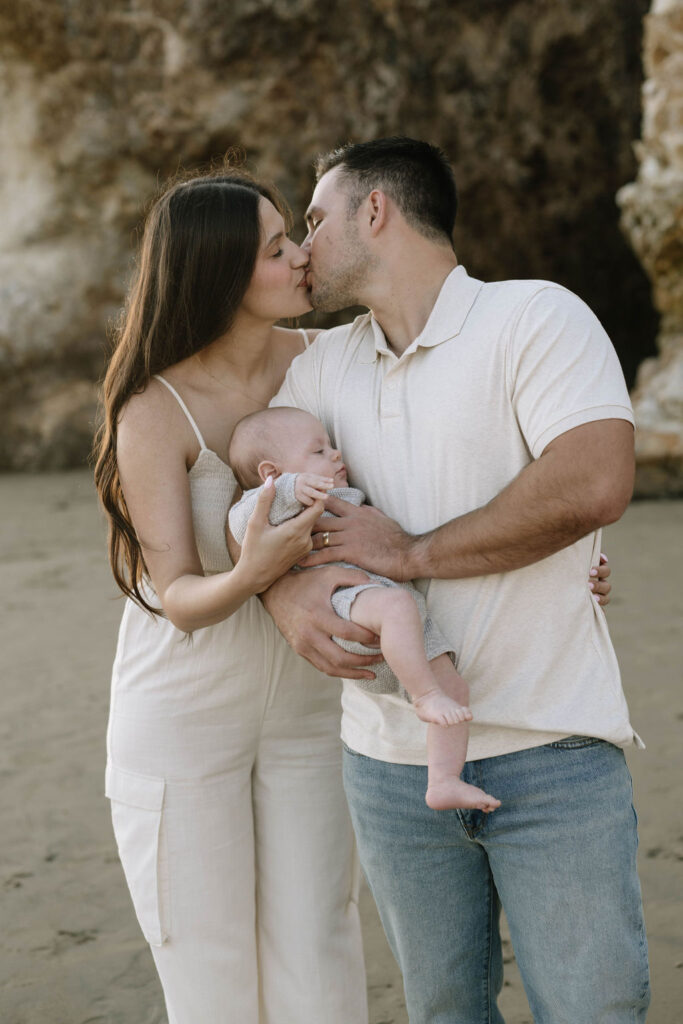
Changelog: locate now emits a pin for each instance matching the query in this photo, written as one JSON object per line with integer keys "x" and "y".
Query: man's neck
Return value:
{"x": 404, "y": 299}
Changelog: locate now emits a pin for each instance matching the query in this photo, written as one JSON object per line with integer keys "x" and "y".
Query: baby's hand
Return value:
{"x": 309, "y": 488}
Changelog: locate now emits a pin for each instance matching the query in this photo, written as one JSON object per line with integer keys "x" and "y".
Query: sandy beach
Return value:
{"x": 71, "y": 949}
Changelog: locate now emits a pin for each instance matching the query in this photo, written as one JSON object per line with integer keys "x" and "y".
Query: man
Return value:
{"x": 491, "y": 421}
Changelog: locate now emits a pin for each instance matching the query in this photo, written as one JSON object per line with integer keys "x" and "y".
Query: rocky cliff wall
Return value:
{"x": 653, "y": 219}
{"x": 535, "y": 101}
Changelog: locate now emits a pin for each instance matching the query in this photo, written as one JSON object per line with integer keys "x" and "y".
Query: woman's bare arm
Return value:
{"x": 154, "y": 448}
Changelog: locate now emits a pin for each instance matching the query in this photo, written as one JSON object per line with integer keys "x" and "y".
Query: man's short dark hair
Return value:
{"x": 416, "y": 175}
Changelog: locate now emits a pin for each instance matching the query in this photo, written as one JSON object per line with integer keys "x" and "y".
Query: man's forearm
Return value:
{"x": 552, "y": 503}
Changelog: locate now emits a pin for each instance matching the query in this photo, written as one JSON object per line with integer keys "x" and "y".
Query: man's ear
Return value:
{"x": 266, "y": 469}
{"x": 378, "y": 210}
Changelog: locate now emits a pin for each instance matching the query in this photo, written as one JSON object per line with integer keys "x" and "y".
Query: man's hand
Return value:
{"x": 364, "y": 536}
{"x": 300, "y": 606}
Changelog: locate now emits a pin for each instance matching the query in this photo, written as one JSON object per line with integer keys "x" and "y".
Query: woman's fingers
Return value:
{"x": 270, "y": 551}
{"x": 598, "y": 581}
{"x": 264, "y": 501}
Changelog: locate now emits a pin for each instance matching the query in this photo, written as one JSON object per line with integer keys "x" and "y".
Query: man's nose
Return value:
{"x": 306, "y": 244}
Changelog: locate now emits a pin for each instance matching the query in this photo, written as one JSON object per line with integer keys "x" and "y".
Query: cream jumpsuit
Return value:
{"x": 224, "y": 774}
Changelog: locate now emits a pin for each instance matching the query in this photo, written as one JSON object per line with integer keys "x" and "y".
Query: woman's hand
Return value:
{"x": 270, "y": 551}
{"x": 597, "y": 581}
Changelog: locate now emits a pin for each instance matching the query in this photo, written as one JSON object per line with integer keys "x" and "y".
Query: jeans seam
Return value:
{"x": 489, "y": 945}
{"x": 575, "y": 744}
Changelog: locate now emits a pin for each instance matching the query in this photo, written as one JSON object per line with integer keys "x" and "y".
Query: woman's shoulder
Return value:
{"x": 144, "y": 406}
{"x": 152, "y": 419}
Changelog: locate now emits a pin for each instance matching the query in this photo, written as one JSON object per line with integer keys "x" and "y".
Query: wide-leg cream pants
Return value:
{"x": 224, "y": 773}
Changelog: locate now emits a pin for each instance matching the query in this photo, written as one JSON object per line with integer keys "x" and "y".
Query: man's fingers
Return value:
{"x": 323, "y": 556}
{"x": 329, "y": 523}
{"x": 352, "y": 631}
{"x": 309, "y": 515}
{"x": 338, "y": 506}
{"x": 333, "y": 661}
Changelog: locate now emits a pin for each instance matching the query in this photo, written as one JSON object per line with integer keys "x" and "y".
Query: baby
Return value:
{"x": 293, "y": 448}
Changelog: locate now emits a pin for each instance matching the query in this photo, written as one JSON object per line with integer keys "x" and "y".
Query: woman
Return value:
{"x": 224, "y": 767}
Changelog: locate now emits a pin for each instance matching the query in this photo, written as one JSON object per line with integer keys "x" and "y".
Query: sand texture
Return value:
{"x": 70, "y": 950}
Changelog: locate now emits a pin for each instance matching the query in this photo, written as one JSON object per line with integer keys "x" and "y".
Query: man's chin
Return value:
{"x": 323, "y": 303}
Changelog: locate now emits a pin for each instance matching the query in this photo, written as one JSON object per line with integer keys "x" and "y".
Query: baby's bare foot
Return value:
{"x": 451, "y": 792}
{"x": 439, "y": 709}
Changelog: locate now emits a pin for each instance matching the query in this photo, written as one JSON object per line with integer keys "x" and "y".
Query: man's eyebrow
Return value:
{"x": 311, "y": 212}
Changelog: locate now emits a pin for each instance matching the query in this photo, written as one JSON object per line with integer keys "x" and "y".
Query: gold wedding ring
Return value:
{"x": 326, "y": 539}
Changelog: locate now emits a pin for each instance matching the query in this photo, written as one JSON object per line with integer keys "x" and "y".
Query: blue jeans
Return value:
{"x": 559, "y": 856}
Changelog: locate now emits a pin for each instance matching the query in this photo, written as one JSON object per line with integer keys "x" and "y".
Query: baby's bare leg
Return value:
{"x": 446, "y": 751}
{"x": 438, "y": 692}
{"x": 392, "y": 613}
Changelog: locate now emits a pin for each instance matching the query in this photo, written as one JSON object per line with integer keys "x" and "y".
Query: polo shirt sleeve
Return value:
{"x": 562, "y": 369}
{"x": 301, "y": 386}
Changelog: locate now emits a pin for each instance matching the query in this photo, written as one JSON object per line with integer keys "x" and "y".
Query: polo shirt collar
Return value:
{"x": 449, "y": 313}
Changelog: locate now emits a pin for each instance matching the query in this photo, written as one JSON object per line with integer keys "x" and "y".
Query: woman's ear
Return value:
{"x": 266, "y": 469}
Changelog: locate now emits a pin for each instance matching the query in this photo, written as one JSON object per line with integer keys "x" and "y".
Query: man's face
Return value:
{"x": 339, "y": 258}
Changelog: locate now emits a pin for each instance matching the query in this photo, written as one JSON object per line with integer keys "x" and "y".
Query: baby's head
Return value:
{"x": 282, "y": 440}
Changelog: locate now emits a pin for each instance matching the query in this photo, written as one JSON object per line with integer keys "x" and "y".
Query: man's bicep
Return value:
{"x": 596, "y": 460}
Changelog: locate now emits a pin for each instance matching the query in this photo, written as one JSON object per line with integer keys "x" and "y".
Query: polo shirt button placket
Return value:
{"x": 390, "y": 403}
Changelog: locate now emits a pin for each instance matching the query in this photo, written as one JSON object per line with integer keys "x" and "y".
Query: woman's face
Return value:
{"x": 278, "y": 285}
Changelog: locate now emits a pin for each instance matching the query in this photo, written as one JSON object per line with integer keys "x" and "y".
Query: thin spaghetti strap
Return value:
{"x": 157, "y": 376}
{"x": 304, "y": 333}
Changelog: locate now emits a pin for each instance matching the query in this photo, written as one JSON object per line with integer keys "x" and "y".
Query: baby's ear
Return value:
{"x": 266, "y": 469}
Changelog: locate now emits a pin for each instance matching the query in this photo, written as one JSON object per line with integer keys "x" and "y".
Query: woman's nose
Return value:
{"x": 336, "y": 455}
{"x": 300, "y": 257}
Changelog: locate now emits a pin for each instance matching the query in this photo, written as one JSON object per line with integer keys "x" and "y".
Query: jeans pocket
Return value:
{"x": 136, "y": 811}
{"x": 574, "y": 743}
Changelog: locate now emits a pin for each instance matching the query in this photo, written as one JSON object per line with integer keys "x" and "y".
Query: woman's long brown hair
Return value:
{"x": 197, "y": 255}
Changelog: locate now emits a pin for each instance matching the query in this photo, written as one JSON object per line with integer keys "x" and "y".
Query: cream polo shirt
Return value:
{"x": 499, "y": 371}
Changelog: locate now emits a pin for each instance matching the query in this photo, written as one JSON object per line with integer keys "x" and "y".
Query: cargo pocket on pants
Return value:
{"x": 136, "y": 811}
